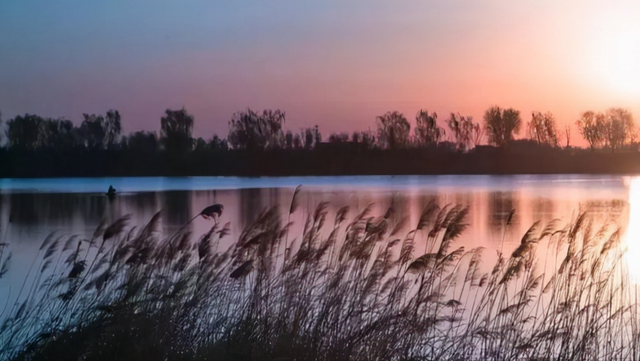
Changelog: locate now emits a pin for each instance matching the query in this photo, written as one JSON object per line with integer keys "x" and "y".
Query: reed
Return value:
{"x": 351, "y": 286}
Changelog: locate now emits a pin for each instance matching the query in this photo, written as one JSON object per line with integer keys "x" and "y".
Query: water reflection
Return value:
{"x": 503, "y": 213}
{"x": 176, "y": 207}
{"x": 54, "y": 208}
{"x": 632, "y": 236}
{"x": 541, "y": 208}
{"x": 27, "y": 217}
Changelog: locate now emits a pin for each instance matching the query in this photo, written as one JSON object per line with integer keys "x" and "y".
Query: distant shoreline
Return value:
{"x": 120, "y": 163}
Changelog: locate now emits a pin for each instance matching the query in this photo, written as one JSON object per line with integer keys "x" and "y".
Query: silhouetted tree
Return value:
{"x": 367, "y": 139}
{"x": 23, "y": 132}
{"x": 465, "y": 131}
{"x": 311, "y": 137}
{"x": 3, "y": 133}
{"x": 393, "y": 130}
{"x": 592, "y": 128}
{"x": 146, "y": 142}
{"x": 199, "y": 144}
{"x": 58, "y": 134}
{"x": 250, "y": 130}
{"x": 619, "y": 128}
{"x": 297, "y": 141}
{"x": 339, "y": 138}
{"x": 288, "y": 140}
{"x": 308, "y": 138}
{"x": 501, "y": 125}
{"x": 217, "y": 143}
{"x": 101, "y": 132}
{"x": 542, "y": 128}
{"x": 34, "y": 132}
{"x": 175, "y": 130}
{"x": 427, "y": 131}
{"x": 112, "y": 129}
{"x": 92, "y": 131}
{"x": 317, "y": 135}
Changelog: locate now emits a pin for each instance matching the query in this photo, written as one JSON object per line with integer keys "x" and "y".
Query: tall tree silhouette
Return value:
{"x": 393, "y": 130}
{"x": 92, "y": 131}
{"x": 101, "y": 131}
{"x": 465, "y": 131}
{"x": 58, "y": 134}
{"x": 312, "y": 137}
{"x": 592, "y": 128}
{"x": 288, "y": 140}
{"x": 175, "y": 130}
{"x": 23, "y": 132}
{"x": 367, "y": 139}
{"x": 112, "y": 129}
{"x": 218, "y": 143}
{"x": 339, "y": 138}
{"x": 542, "y": 128}
{"x": 254, "y": 131}
{"x": 619, "y": 128}
{"x": 145, "y": 142}
{"x": 427, "y": 131}
{"x": 501, "y": 125}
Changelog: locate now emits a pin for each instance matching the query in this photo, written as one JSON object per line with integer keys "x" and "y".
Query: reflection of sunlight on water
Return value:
{"x": 632, "y": 236}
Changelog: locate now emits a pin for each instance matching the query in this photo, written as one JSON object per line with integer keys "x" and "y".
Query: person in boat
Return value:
{"x": 111, "y": 192}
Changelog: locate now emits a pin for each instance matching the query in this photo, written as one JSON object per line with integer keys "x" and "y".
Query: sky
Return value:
{"x": 337, "y": 64}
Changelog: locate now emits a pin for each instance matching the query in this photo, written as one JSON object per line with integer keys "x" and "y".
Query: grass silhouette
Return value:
{"x": 350, "y": 287}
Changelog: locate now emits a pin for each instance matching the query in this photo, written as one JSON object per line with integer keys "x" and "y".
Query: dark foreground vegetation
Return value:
{"x": 331, "y": 160}
{"x": 258, "y": 144}
{"x": 351, "y": 286}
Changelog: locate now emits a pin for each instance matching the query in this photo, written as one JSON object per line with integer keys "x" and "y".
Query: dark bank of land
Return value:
{"x": 331, "y": 160}
{"x": 258, "y": 145}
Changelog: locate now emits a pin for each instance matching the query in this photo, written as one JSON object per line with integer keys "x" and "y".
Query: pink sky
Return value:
{"x": 335, "y": 64}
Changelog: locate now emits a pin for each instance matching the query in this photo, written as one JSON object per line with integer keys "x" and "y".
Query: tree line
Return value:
{"x": 258, "y": 131}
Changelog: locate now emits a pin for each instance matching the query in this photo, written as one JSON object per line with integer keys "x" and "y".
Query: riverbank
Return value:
{"x": 123, "y": 163}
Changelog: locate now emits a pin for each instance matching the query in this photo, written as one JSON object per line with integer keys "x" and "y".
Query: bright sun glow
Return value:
{"x": 632, "y": 237}
{"x": 616, "y": 54}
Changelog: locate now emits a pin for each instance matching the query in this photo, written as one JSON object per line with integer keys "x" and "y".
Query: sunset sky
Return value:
{"x": 337, "y": 64}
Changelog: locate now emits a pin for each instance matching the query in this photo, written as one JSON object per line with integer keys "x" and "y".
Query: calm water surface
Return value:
{"x": 32, "y": 208}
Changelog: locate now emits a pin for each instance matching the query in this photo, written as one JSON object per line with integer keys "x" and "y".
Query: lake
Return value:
{"x": 383, "y": 272}
{"x": 30, "y": 209}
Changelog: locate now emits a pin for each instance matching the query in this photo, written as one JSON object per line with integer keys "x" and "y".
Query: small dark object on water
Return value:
{"x": 211, "y": 211}
{"x": 111, "y": 193}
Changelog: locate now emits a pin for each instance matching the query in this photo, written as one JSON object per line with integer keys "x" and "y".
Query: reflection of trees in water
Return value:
{"x": 273, "y": 198}
{"x": 43, "y": 208}
{"x": 465, "y": 199}
{"x": 610, "y": 209}
{"x": 251, "y": 204}
{"x": 400, "y": 205}
{"x": 143, "y": 203}
{"x": 542, "y": 209}
{"x": 425, "y": 201}
{"x": 176, "y": 207}
{"x": 140, "y": 205}
{"x": 255, "y": 200}
{"x": 500, "y": 206}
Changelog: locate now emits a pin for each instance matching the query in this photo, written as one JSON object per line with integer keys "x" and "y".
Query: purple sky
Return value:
{"x": 337, "y": 64}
